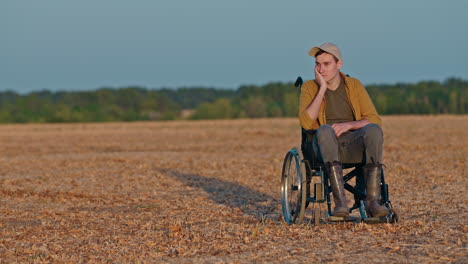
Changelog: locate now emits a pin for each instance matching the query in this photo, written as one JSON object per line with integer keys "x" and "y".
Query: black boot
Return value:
{"x": 373, "y": 191}
{"x": 335, "y": 175}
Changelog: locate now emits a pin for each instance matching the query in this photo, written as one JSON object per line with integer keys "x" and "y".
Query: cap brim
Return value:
{"x": 314, "y": 51}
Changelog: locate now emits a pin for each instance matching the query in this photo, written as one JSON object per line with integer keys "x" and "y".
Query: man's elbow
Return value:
{"x": 305, "y": 120}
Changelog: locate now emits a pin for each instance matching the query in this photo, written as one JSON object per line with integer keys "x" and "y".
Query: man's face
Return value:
{"x": 327, "y": 66}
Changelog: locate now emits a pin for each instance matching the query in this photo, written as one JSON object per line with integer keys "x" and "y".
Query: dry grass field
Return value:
{"x": 208, "y": 192}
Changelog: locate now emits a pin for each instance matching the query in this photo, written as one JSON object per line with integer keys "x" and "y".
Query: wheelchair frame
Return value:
{"x": 295, "y": 188}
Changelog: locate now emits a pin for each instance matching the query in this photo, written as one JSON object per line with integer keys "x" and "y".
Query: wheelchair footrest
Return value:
{"x": 375, "y": 220}
{"x": 344, "y": 219}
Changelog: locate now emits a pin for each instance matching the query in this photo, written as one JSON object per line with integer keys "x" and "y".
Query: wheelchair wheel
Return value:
{"x": 293, "y": 189}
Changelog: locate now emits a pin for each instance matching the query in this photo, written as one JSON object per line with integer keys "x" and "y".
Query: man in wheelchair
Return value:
{"x": 344, "y": 128}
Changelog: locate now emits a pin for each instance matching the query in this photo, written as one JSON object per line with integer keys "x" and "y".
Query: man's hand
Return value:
{"x": 321, "y": 81}
{"x": 340, "y": 128}
{"x": 314, "y": 107}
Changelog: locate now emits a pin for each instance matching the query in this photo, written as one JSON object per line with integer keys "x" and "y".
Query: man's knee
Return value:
{"x": 325, "y": 133}
{"x": 373, "y": 132}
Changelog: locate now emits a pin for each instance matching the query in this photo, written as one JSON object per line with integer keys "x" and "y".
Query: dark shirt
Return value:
{"x": 338, "y": 108}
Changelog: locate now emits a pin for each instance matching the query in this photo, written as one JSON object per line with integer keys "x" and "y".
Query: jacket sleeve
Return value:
{"x": 367, "y": 107}
{"x": 308, "y": 92}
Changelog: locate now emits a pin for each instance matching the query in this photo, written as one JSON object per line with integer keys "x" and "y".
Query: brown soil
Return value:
{"x": 208, "y": 192}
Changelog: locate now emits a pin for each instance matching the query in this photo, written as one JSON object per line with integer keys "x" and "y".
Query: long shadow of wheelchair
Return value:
{"x": 233, "y": 195}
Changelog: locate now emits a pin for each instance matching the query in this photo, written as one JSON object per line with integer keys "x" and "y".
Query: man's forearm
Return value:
{"x": 341, "y": 128}
{"x": 358, "y": 124}
{"x": 313, "y": 109}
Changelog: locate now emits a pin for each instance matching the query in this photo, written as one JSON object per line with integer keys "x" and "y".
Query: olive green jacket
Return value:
{"x": 362, "y": 105}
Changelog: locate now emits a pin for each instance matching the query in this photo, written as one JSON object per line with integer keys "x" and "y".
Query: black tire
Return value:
{"x": 293, "y": 187}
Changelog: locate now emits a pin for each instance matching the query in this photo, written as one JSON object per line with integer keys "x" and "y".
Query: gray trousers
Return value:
{"x": 359, "y": 146}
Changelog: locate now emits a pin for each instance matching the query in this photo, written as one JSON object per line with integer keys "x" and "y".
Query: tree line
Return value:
{"x": 249, "y": 101}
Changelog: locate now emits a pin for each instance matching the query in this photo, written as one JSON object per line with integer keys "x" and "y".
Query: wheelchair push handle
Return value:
{"x": 299, "y": 82}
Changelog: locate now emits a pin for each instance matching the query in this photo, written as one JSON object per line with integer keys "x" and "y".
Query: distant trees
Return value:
{"x": 279, "y": 99}
{"x": 106, "y": 104}
{"x": 270, "y": 100}
{"x": 428, "y": 97}
{"x": 220, "y": 108}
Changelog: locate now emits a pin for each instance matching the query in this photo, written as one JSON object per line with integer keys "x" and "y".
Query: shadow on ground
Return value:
{"x": 231, "y": 194}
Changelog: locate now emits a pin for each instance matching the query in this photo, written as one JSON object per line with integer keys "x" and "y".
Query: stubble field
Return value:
{"x": 208, "y": 192}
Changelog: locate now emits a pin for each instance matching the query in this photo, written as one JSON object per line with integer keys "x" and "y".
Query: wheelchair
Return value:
{"x": 304, "y": 183}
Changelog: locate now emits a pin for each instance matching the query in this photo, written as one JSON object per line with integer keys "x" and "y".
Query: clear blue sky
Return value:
{"x": 87, "y": 44}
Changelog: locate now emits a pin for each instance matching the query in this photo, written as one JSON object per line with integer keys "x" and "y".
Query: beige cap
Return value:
{"x": 327, "y": 47}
